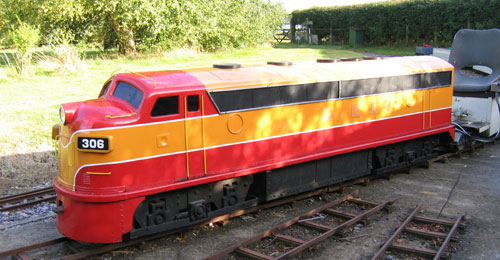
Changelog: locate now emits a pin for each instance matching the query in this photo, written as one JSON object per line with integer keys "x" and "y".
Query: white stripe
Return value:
{"x": 244, "y": 142}
{"x": 130, "y": 126}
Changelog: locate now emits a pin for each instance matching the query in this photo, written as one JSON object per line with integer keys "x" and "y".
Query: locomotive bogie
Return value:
{"x": 188, "y": 206}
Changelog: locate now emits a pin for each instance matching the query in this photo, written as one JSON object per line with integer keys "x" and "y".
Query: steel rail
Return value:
{"x": 30, "y": 194}
{"x": 22, "y": 250}
{"x": 33, "y": 197}
{"x": 388, "y": 243}
{"x": 449, "y": 237}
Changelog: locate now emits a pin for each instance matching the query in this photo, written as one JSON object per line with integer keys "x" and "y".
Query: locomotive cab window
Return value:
{"x": 193, "y": 103}
{"x": 165, "y": 106}
{"x": 104, "y": 89}
{"x": 129, "y": 94}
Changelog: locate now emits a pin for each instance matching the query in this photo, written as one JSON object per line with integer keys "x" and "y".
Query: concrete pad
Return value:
{"x": 470, "y": 184}
{"x": 28, "y": 234}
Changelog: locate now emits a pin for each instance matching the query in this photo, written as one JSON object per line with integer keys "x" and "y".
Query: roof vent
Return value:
{"x": 372, "y": 58}
{"x": 327, "y": 60}
{"x": 351, "y": 59}
{"x": 227, "y": 66}
{"x": 280, "y": 63}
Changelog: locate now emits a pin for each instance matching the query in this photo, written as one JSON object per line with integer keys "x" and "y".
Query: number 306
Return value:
{"x": 93, "y": 143}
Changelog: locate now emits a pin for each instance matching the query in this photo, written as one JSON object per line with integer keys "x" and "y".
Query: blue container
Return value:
{"x": 422, "y": 50}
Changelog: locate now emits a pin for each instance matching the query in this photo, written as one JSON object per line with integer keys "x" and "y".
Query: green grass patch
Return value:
{"x": 386, "y": 50}
{"x": 336, "y": 51}
{"x": 28, "y": 107}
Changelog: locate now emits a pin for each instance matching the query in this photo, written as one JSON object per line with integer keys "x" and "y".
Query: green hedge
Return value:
{"x": 402, "y": 22}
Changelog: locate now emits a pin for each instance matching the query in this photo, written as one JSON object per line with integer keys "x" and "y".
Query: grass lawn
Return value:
{"x": 29, "y": 108}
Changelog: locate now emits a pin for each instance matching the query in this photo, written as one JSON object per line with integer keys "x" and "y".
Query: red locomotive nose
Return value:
{"x": 67, "y": 112}
{"x": 95, "y": 113}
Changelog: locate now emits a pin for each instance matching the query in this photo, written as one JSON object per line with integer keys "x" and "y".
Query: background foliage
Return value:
{"x": 402, "y": 22}
{"x": 147, "y": 24}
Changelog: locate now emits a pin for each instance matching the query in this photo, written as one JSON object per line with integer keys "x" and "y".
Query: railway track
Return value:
{"x": 27, "y": 199}
{"x": 321, "y": 223}
{"x": 303, "y": 232}
{"x": 424, "y": 228}
{"x": 80, "y": 250}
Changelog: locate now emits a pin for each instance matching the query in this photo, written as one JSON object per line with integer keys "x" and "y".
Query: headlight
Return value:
{"x": 62, "y": 115}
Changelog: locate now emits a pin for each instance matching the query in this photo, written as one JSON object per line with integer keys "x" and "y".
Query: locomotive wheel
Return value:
{"x": 159, "y": 218}
{"x": 197, "y": 210}
{"x": 390, "y": 158}
{"x": 411, "y": 156}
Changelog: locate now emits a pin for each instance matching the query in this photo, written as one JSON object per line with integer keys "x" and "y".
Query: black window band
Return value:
{"x": 363, "y": 87}
{"x": 256, "y": 98}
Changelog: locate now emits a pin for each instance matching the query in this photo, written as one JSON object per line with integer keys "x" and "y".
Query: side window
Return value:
{"x": 265, "y": 97}
{"x": 323, "y": 91}
{"x": 104, "y": 89}
{"x": 193, "y": 103}
{"x": 293, "y": 93}
{"x": 233, "y": 100}
{"x": 129, "y": 94}
{"x": 165, "y": 106}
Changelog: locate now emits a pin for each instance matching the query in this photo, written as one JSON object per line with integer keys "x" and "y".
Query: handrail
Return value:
{"x": 186, "y": 136}
{"x": 203, "y": 135}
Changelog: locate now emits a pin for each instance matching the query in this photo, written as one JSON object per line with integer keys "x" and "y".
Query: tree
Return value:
{"x": 149, "y": 24}
{"x": 129, "y": 17}
{"x": 69, "y": 16}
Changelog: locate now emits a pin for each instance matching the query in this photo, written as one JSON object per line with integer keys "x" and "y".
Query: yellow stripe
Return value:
{"x": 119, "y": 116}
{"x": 99, "y": 173}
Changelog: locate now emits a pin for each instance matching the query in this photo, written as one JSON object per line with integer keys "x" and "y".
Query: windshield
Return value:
{"x": 129, "y": 94}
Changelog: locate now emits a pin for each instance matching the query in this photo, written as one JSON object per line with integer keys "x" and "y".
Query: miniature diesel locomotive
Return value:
{"x": 166, "y": 149}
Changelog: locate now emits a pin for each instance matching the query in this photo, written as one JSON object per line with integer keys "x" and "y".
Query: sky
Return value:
{"x": 291, "y": 5}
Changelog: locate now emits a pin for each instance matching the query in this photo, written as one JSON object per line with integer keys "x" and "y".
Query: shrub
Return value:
{"x": 66, "y": 56}
{"x": 402, "y": 22}
{"x": 23, "y": 38}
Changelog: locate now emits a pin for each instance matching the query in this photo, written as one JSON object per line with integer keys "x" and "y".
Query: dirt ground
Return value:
{"x": 24, "y": 172}
{"x": 469, "y": 184}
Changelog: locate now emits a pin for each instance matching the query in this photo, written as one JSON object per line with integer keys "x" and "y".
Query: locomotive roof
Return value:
{"x": 261, "y": 75}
